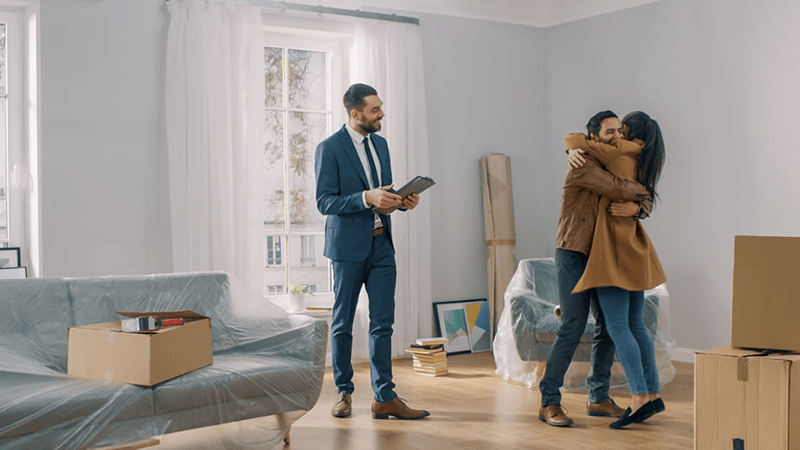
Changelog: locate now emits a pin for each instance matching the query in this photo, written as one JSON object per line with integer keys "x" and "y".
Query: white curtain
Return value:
{"x": 215, "y": 110}
{"x": 388, "y": 56}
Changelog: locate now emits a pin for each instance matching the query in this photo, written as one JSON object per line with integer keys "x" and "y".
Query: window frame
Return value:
{"x": 24, "y": 159}
{"x": 333, "y": 37}
{"x": 14, "y": 126}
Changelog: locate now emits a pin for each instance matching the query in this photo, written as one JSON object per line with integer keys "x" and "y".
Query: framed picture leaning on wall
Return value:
{"x": 465, "y": 323}
{"x": 9, "y": 257}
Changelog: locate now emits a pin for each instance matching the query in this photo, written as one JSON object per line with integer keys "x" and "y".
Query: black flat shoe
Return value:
{"x": 642, "y": 413}
{"x": 658, "y": 406}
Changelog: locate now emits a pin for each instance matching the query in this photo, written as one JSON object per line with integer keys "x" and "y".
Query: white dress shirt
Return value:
{"x": 358, "y": 143}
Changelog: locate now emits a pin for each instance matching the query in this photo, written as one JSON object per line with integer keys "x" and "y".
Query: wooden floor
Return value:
{"x": 471, "y": 408}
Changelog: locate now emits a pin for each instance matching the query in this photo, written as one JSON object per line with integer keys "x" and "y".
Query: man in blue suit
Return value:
{"x": 354, "y": 180}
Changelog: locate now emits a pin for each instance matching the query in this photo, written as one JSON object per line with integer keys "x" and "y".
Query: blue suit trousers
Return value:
{"x": 379, "y": 274}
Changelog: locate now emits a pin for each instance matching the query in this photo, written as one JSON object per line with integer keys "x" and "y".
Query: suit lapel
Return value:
{"x": 352, "y": 154}
{"x": 383, "y": 157}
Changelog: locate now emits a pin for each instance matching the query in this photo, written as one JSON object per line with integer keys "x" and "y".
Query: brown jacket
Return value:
{"x": 580, "y": 197}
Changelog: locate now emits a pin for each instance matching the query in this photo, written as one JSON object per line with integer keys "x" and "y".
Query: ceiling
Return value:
{"x": 539, "y": 13}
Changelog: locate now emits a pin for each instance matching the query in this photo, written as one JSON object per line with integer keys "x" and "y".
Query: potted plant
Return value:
{"x": 297, "y": 297}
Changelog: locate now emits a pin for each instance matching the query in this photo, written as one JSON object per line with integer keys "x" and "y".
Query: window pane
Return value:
{"x": 306, "y": 130}
{"x": 308, "y": 266}
{"x": 273, "y": 172}
{"x": 274, "y": 267}
{"x": 307, "y": 80}
{"x": 273, "y": 77}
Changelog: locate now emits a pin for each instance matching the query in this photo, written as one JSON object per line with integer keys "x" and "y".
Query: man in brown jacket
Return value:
{"x": 580, "y": 197}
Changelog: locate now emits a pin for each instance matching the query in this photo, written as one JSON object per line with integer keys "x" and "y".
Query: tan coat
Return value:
{"x": 621, "y": 254}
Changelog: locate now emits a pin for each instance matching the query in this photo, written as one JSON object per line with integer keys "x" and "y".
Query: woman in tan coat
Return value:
{"x": 623, "y": 262}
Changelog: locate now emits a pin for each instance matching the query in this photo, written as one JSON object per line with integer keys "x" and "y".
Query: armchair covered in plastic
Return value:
{"x": 528, "y": 327}
{"x": 266, "y": 364}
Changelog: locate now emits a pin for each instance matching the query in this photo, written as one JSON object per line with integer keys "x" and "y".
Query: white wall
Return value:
{"x": 485, "y": 87}
{"x": 104, "y": 166}
{"x": 721, "y": 79}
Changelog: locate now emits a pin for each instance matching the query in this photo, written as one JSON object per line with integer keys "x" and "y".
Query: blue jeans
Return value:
{"x": 624, "y": 314}
{"x": 574, "y": 313}
{"x": 378, "y": 273}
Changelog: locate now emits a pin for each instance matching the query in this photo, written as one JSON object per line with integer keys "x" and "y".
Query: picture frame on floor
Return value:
{"x": 9, "y": 257}
{"x": 465, "y": 323}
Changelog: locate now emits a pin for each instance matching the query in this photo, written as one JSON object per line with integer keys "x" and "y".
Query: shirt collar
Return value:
{"x": 354, "y": 135}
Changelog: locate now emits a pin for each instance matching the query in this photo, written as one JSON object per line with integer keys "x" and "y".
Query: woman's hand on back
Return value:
{"x": 575, "y": 158}
{"x": 623, "y": 209}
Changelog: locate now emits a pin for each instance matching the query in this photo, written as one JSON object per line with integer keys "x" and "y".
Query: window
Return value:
{"x": 305, "y": 65}
{"x": 307, "y": 255}
{"x": 273, "y": 251}
{"x": 298, "y": 117}
{"x": 16, "y": 101}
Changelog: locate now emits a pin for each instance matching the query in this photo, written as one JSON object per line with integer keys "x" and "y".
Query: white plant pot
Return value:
{"x": 297, "y": 302}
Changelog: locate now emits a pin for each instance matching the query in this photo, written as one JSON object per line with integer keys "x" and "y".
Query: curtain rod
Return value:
{"x": 338, "y": 11}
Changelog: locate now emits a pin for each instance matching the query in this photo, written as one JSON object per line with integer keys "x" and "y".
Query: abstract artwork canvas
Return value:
{"x": 465, "y": 323}
{"x": 477, "y": 314}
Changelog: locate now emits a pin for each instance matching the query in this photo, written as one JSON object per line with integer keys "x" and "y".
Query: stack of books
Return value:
{"x": 429, "y": 356}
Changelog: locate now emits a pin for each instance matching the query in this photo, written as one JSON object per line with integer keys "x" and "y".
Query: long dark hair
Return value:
{"x": 651, "y": 161}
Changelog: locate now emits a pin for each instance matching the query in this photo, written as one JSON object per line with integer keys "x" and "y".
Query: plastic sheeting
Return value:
{"x": 529, "y": 325}
{"x": 265, "y": 362}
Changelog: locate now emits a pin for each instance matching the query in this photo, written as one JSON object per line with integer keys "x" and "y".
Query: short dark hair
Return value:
{"x": 594, "y": 124}
{"x": 354, "y": 97}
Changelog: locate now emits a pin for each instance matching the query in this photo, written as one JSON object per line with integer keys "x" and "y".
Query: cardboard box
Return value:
{"x": 103, "y": 351}
{"x": 766, "y": 293}
{"x": 746, "y": 401}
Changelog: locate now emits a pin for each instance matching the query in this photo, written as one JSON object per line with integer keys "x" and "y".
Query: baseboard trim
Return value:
{"x": 683, "y": 355}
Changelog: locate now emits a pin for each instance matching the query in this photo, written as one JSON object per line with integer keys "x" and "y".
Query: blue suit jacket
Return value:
{"x": 340, "y": 181}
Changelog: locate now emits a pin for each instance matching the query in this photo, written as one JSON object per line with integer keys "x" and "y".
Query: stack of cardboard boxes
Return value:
{"x": 747, "y": 395}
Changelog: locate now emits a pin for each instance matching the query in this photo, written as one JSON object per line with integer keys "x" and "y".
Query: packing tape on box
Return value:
{"x": 108, "y": 375}
{"x": 496, "y": 242}
{"x": 742, "y": 369}
{"x": 109, "y": 337}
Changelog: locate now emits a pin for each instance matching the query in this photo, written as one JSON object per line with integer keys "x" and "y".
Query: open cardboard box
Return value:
{"x": 103, "y": 351}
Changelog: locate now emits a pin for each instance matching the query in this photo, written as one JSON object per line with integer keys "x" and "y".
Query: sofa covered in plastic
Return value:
{"x": 528, "y": 326}
{"x": 265, "y": 363}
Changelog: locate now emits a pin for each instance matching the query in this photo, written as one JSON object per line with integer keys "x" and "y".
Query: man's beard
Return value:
{"x": 372, "y": 127}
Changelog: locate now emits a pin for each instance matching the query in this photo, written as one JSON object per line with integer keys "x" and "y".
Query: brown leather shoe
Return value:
{"x": 397, "y": 408}
{"x": 554, "y": 415}
{"x": 343, "y": 406}
{"x": 606, "y": 409}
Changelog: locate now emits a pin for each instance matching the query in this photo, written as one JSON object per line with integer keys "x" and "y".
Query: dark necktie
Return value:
{"x": 372, "y": 170}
